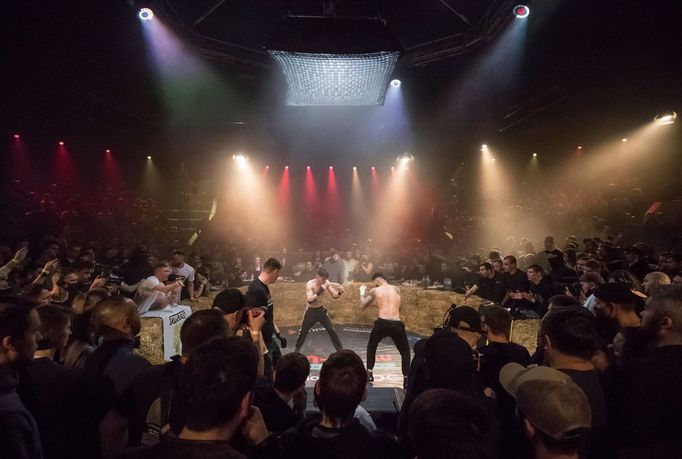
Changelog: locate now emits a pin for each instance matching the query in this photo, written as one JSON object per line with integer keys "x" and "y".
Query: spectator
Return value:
{"x": 67, "y": 406}
{"x": 465, "y": 322}
{"x": 335, "y": 267}
{"x": 289, "y": 386}
{"x": 555, "y": 413}
{"x": 489, "y": 286}
{"x": 650, "y": 388}
{"x": 82, "y": 339}
{"x": 339, "y": 390}
{"x": 365, "y": 269}
{"x": 222, "y": 374}
{"x": 569, "y": 339}
{"x": 653, "y": 281}
{"x": 185, "y": 273}
{"x": 157, "y": 400}
{"x": 637, "y": 263}
{"x": 37, "y": 293}
{"x": 153, "y": 293}
{"x": 542, "y": 288}
{"x": 445, "y": 424}
{"x": 516, "y": 283}
{"x": 117, "y": 321}
{"x": 588, "y": 283}
{"x": 19, "y": 335}
{"x": 136, "y": 270}
{"x": 350, "y": 266}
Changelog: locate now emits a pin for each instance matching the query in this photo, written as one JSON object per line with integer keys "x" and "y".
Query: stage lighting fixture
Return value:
{"x": 492, "y": 159}
{"x": 623, "y": 140}
{"x": 535, "y": 155}
{"x": 107, "y": 151}
{"x": 334, "y": 60}
{"x": 286, "y": 167}
{"x": 374, "y": 168}
{"x": 241, "y": 159}
{"x": 580, "y": 147}
{"x": 331, "y": 168}
{"x": 307, "y": 167}
{"x": 145, "y": 14}
{"x": 484, "y": 147}
{"x": 17, "y": 136}
{"x": 521, "y": 11}
{"x": 355, "y": 168}
{"x": 61, "y": 143}
{"x": 395, "y": 83}
{"x": 666, "y": 118}
{"x": 149, "y": 157}
{"x": 405, "y": 158}
{"x": 267, "y": 167}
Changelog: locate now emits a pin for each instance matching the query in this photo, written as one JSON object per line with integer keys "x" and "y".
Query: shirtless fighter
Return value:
{"x": 316, "y": 312}
{"x": 387, "y": 325}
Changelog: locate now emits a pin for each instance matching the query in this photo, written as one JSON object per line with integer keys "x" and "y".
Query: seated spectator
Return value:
{"x": 340, "y": 389}
{"x": 66, "y": 405}
{"x": 569, "y": 339}
{"x": 516, "y": 283}
{"x": 222, "y": 375}
{"x": 19, "y": 335}
{"x": 445, "y": 424}
{"x": 116, "y": 320}
{"x": 542, "y": 288}
{"x": 288, "y": 387}
{"x": 153, "y": 294}
{"x": 185, "y": 273}
{"x": 554, "y": 411}
{"x": 489, "y": 286}
{"x": 156, "y": 400}
{"x": 588, "y": 283}
{"x": 649, "y": 395}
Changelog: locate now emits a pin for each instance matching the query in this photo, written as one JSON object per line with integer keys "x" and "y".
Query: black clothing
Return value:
{"x": 310, "y": 318}
{"x": 258, "y": 296}
{"x": 309, "y": 440}
{"x": 588, "y": 381}
{"x": 19, "y": 437}
{"x": 493, "y": 357}
{"x": 491, "y": 289}
{"x": 637, "y": 344}
{"x": 160, "y": 384}
{"x": 639, "y": 269}
{"x": 395, "y": 330}
{"x": 516, "y": 283}
{"x": 277, "y": 413}
{"x": 649, "y": 403}
{"x": 543, "y": 292}
{"x": 67, "y": 407}
{"x": 186, "y": 449}
{"x": 133, "y": 272}
{"x": 116, "y": 360}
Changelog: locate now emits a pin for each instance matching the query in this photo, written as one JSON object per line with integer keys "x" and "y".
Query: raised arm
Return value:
{"x": 335, "y": 292}
{"x": 366, "y": 300}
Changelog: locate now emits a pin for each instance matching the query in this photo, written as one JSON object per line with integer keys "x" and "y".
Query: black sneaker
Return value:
{"x": 370, "y": 376}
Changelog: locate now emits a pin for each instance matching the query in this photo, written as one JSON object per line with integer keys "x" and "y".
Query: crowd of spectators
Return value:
{"x": 604, "y": 381}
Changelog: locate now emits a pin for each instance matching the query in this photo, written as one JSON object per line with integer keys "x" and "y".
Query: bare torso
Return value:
{"x": 312, "y": 287}
{"x": 387, "y": 298}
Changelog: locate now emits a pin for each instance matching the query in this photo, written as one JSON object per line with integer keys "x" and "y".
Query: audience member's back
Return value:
{"x": 340, "y": 389}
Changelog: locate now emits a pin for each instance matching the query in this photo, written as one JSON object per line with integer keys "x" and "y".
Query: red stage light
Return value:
{"x": 373, "y": 168}
{"x": 17, "y": 136}
{"x": 331, "y": 167}
{"x": 61, "y": 143}
{"x": 580, "y": 147}
{"x": 107, "y": 151}
{"x": 307, "y": 167}
{"x": 286, "y": 167}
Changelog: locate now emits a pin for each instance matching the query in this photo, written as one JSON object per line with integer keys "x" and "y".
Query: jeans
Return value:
{"x": 394, "y": 329}
{"x": 311, "y": 317}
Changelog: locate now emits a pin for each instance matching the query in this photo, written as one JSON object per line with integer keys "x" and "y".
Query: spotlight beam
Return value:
{"x": 207, "y": 13}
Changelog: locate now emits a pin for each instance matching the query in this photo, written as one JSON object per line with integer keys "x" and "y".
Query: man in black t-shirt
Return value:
{"x": 516, "y": 283}
{"x": 489, "y": 286}
{"x": 289, "y": 386}
{"x": 258, "y": 296}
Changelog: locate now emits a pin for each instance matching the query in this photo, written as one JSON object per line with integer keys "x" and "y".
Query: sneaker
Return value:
{"x": 370, "y": 376}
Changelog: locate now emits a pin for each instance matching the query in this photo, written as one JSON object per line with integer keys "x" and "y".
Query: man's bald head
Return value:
{"x": 114, "y": 316}
{"x": 654, "y": 280}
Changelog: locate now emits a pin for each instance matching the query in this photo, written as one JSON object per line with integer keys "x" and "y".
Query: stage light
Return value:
{"x": 395, "y": 83}
{"x": 355, "y": 168}
{"x": 492, "y": 159}
{"x": 17, "y": 136}
{"x": 307, "y": 167}
{"x": 149, "y": 157}
{"x": 267, "y": 167}
{"x": 145, "y": 14}
{"x": 241, "y": 159}
{"x": 286, "y": 167}
{"x": 405, "y": 158}
{"x": 61, "y": 143}
{"x": 580, "y": 147}
{"x": 535, "y": 155}
{"x": 107, "y": 151}
{"x": 331, "y": 168}
{"x": 392, "y": 168}
{"x": 321, "y": 69}
{"x": 666, "y": 118}
{"x": 521, "y": 11}
{"x": 484, "y": 147}
{"x": 373, "y": 168}
{"x": 623, "y": 140}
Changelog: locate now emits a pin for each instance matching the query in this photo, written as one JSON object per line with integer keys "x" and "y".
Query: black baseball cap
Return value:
{"x": 614, "y": 292}
{"x": 465, "y": 318}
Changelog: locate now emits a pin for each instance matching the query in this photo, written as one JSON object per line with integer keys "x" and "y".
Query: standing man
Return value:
{"x": 387, "y": 325}
{"x": 334, "y": 266}
{"x": 316, "y": 312}
{"x": 185, "y": 273}
{"x": 350, "y": 265}
{"x": 258, "y": 296}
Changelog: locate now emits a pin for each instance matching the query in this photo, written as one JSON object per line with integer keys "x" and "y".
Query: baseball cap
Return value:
{"x": 465, "y": 318}
{"x": 229, "y": 300}
{"x": 614, "y": 292}
{"x": 549, "y": 399}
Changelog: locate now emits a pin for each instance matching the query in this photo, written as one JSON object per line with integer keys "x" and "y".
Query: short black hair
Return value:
{"x": 179, "y": 252}
{"x": 15, "y": 315}
{"x": 272, "y": 264}
{"x": 572, "y": 331}
{"x": 537, "y": 269}
{"x": 291, "y": 372}
{"x": 377, "y": 275}
{"x": 510, "y": 259}
{"x": 200, "y": 328}
{"x": 497, "y": 319}
{"x": 445, "y": 424}
{"x": 221, "y": 373}
{"x": 323, "y": 273}
{"x": 342, "y": 384}
{"x": 53, "y": 319}
{"x": 487, "y": 266}
{"x": 563, "y": 301}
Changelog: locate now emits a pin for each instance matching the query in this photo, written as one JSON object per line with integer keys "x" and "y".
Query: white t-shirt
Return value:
{"x": 146, "y": 296}
{"x": 186, "y": 271}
